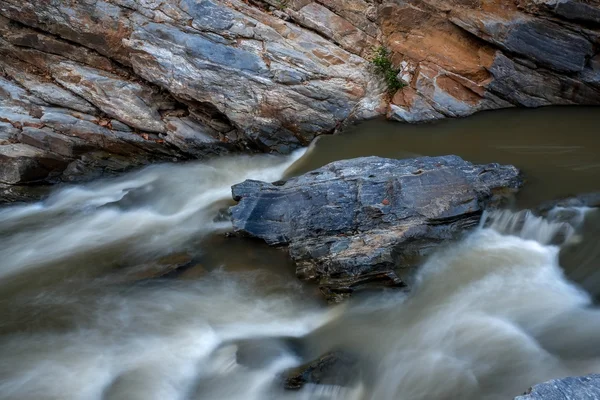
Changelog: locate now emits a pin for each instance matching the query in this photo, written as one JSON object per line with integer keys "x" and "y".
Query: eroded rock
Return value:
{"x": 174, "y": 80}
{"x": 356, "y": 223}
{"x": 21, "y": 163}
{"x": 580, "y": 388}
{"x": 163, "y": 81}
{"x": 473, "y": 55}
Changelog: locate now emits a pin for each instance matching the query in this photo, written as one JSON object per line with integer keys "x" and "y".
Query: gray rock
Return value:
{"x": 534, "y": 88}
{"x": 119, "y": 126}
{"x": 129, "y": 102}
{"x": 293, "y": 86}
{"x": 154, "y": 80}
{"x": 21, "y": 163}
{"x": 577, "y": 10}
{"x": 53, "y": 94}
{"x": 332, "y": 26}
{"x": 572, "y": 388}
{"x": 7, "y": 132}
{"x": 47, "y": 91}
{"x": 47, "y": 139}
{"x": 355, "y": 223}
{"x": 544, "y": 42}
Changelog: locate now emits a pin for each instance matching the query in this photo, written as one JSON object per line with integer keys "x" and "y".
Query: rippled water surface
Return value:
{"x": 128, "y": 289}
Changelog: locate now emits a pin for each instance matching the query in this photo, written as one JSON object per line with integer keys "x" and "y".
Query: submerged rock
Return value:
{"x": 357, "y": 223}
{"x": 591, "y": 200}
{"x": 572, "y": 388}
{"x": 334, "y": 368}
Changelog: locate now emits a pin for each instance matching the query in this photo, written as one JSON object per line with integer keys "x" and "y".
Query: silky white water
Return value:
{"x": 487, "y": 317}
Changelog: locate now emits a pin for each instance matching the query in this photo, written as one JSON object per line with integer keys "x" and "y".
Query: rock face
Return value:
{"x": 108, "y": 85}
{"x": 462, "y": 56}
{"x": 580, "y": 388}
{"x": 360, "y": 222}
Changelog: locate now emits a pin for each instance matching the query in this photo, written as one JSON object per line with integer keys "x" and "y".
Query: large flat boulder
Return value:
{"x": 359, "y": 222}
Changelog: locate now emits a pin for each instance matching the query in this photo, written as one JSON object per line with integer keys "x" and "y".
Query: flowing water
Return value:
{"x": 88, "y": 312}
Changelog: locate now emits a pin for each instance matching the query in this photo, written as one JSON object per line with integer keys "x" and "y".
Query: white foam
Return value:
{"x": 487, "y": 318}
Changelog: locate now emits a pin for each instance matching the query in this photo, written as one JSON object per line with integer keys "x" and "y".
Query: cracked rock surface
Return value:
{"x": 364, "y": 222}
{"x": 105, "y": 86}
{"x": 110, "y": 85}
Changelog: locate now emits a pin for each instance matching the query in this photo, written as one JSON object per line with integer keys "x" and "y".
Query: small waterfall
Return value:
{"x": 558, "y": 227}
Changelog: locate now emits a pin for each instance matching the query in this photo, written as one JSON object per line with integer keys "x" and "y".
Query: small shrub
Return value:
{"x": 281, "y": 4}
{"x": 383, "y": 65}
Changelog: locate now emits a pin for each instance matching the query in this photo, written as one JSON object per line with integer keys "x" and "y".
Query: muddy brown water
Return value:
{"x": 557, "y": 148}
{"x": 89, "y": 313}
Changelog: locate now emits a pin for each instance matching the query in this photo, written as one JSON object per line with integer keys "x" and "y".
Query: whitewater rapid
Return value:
{"x": 486, "y": 318}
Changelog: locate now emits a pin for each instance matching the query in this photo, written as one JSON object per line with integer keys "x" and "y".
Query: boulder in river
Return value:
{"x": 580, "y": 388}
{"x": 362, "y": 222}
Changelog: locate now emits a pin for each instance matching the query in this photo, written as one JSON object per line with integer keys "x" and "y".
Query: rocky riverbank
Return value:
{"x": 89, "y": 89}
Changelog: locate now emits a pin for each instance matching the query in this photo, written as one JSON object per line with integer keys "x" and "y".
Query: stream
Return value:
{"x": 90, "y": 313}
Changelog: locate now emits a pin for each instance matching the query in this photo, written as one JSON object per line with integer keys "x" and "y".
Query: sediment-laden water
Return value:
{"x": 88, "y": 314}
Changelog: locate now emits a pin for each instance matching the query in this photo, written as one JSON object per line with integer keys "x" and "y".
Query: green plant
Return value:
{"x": 281, "y": 4}
{"x": 383, "y": 65}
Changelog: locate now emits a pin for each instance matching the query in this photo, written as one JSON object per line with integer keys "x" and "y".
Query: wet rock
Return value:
{"x": 22, "y": 193}
{"x": 582, "y": 200}
{"x": 21, "y": 163}
{"x": 580, "y": 388}
{"x": 355, "y": 223}
{"x": 162, "y": 267}
{"x": 335, "y": 368}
